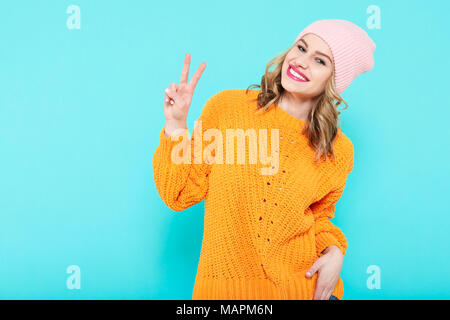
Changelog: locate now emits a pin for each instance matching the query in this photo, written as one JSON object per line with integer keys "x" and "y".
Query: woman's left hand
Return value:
{"x": 328, "y": 268}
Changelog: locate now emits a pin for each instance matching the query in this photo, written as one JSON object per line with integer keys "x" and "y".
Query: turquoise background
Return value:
{"x": 80, "y": 116}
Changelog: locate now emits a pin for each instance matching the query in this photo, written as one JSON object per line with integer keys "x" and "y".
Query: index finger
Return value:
{"x": 197, "y": 75}
{"x": 185, "y": 71}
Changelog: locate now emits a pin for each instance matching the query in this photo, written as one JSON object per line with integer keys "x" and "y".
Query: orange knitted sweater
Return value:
{"x": 262, "y": 232}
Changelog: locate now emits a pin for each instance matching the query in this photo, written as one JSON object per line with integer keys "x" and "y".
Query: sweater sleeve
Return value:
{"x": 182, "y": 183}
{"x": 326, "y": 233}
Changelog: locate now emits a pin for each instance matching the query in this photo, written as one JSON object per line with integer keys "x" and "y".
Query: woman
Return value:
{"x": 267, "y": 233}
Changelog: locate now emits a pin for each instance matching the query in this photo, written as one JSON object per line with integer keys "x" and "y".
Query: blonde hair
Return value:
{"x": 323, "y": 119}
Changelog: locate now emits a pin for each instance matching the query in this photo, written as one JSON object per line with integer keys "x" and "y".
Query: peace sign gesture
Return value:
{"x": 178, "y": 97}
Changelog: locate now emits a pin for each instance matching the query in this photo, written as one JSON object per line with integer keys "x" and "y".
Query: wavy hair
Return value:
{"x": 323, "y": 119}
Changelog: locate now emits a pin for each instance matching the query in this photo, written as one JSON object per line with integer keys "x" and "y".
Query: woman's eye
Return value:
{"x": 300, "y": 47}
{"x": 322, "y": 62}
{"x": 303, "y": 50}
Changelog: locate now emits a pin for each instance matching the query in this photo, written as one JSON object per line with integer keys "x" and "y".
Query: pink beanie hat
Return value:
{"x": 350, "y": 45}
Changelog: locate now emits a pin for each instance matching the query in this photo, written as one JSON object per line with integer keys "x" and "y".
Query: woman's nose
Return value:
{"x": 302, "y": 65}
{"x": 301, "y": 62}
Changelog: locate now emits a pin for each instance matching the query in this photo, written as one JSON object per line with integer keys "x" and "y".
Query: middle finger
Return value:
{"x": 185, "y": 71}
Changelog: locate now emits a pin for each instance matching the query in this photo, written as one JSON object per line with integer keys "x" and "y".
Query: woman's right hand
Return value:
{"x": 178, "y": 98}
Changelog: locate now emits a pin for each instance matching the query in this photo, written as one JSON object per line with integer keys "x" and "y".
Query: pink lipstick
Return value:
{"x": 296, "y": 74}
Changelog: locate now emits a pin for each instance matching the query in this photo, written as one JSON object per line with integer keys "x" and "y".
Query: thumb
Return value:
{"x": 314, "y": 268}
{"x": 171, "y": 95}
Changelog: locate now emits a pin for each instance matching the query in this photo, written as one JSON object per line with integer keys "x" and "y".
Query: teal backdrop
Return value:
{"x": 81, "y": 110}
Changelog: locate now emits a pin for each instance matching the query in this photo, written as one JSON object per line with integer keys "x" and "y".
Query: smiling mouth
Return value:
{"x": 295, "y": 75}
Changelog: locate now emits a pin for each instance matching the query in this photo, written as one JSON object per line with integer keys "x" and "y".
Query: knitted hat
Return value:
{"x": 350, "y": 45}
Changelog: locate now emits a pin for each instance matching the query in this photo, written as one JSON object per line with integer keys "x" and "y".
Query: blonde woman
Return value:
{"x": 267, "y": 229}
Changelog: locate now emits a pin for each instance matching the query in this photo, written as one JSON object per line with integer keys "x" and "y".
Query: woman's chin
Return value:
{"x": 300, "y": 92}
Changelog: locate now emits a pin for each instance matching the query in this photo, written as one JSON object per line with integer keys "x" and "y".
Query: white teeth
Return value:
{"x": 296, "y": 74}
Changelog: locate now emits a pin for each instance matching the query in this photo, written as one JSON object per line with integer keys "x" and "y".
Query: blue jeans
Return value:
{"x": 333, "y": 298}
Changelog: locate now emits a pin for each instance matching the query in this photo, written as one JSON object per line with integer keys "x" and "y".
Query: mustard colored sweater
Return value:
{"x": 262, "y": 232}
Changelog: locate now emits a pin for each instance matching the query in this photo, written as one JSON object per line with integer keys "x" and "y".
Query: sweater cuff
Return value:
{"x": 325, "y": 239}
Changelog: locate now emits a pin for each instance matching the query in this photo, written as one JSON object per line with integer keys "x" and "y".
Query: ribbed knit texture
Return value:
{"x": 261, "y": 232}
{"x": 351, "y": 47}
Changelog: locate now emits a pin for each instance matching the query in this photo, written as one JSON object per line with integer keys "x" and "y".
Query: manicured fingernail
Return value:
{"x": 308, "y": 274}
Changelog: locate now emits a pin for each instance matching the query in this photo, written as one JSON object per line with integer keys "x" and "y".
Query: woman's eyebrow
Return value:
{"x": 318, "y": 52}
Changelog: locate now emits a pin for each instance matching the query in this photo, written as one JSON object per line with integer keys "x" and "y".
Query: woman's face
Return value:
{"x": 312, "y": 59}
